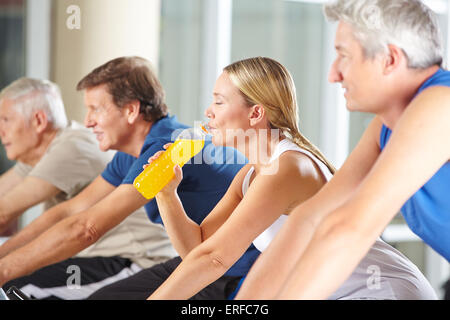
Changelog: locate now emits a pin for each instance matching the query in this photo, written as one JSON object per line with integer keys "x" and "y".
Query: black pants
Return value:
{"x": 144, "y": 283}
{"x": 74, "y": 278}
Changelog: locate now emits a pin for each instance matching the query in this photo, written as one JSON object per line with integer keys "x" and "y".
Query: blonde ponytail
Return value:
{"x": 267, "y": 82}
{"x": 304, "y": 143}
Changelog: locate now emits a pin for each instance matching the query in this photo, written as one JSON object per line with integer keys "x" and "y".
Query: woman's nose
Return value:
{"x": 208, "y": 113}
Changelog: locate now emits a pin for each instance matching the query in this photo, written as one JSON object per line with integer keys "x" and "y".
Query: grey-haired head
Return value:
{"x": 30, "y": 95}
{"x": 407, "y": 24}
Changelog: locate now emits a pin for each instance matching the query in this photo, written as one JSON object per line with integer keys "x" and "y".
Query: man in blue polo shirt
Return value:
{"x": 126, "y": 110}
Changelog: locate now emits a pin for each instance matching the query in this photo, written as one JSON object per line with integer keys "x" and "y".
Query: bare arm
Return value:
{"x": 273, "y": 266}
{"x": 418, "y": 147}
{"x": 90, "y": 195}
{"x": 266, "y": 199}
{"x": 71, "y": 235}
{"x": 8, "y": 180}
{"x": 184, "y": 233}
{"x": 22, "y": 196}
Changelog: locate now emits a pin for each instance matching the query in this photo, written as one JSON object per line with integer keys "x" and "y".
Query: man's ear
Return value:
{"x": 39, "y": 121}
{"x": 393, "y": 58}
{"x": 257, "y": 114}
{"x": 132, "y": 110}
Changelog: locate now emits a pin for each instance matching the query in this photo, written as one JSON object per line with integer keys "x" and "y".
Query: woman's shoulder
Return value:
{"x": 240, "y": 176}
{"x": 244, "y": 170}
{"x": 294, "y": 160}
{"x": 296, "y": 170}
{"x": 290, "y": 154}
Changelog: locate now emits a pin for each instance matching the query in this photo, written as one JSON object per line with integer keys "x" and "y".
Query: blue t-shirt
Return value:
{"x": 427, "y": 212}
{"x": 206, "y": 178}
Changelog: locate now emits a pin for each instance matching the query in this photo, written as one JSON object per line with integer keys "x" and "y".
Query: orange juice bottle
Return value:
{"x": 156, "y": 175}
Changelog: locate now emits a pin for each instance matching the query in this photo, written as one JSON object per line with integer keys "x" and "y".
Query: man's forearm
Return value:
{"x": 323, "y": 267}
{"x": 338, "y": 245}
{"x": 7, "y": 217}
{"x": 8, "y": 180}
{"x": 4, "y": 221}
{"x": 34, "y": 229}
{"x": 274, "y": 265}
{"x": 60, "y": 242}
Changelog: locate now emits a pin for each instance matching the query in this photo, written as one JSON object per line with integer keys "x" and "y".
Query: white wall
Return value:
{"x": 108, "y": 29}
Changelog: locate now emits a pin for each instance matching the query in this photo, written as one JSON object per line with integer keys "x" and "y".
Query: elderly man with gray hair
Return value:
{"x": 55, "y": 159}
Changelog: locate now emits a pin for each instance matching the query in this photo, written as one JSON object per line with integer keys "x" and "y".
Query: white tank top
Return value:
{"x": 264, "y": 239}
{"x": 384, "y": 273}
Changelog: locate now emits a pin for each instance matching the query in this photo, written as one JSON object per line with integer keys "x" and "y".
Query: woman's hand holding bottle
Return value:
{"x": 173, "y": 184}
{"x": 163, "y": 165}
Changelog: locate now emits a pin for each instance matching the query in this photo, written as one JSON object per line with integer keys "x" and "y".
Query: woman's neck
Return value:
{"x": 259, "y": 146}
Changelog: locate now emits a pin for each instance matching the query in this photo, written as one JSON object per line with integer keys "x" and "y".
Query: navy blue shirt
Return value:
{"x": 427, "y": 212}
{"x": 206, "y": 178}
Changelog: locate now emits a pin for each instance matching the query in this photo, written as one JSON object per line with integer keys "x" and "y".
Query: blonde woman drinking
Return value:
{"x": 254, "y": 110}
